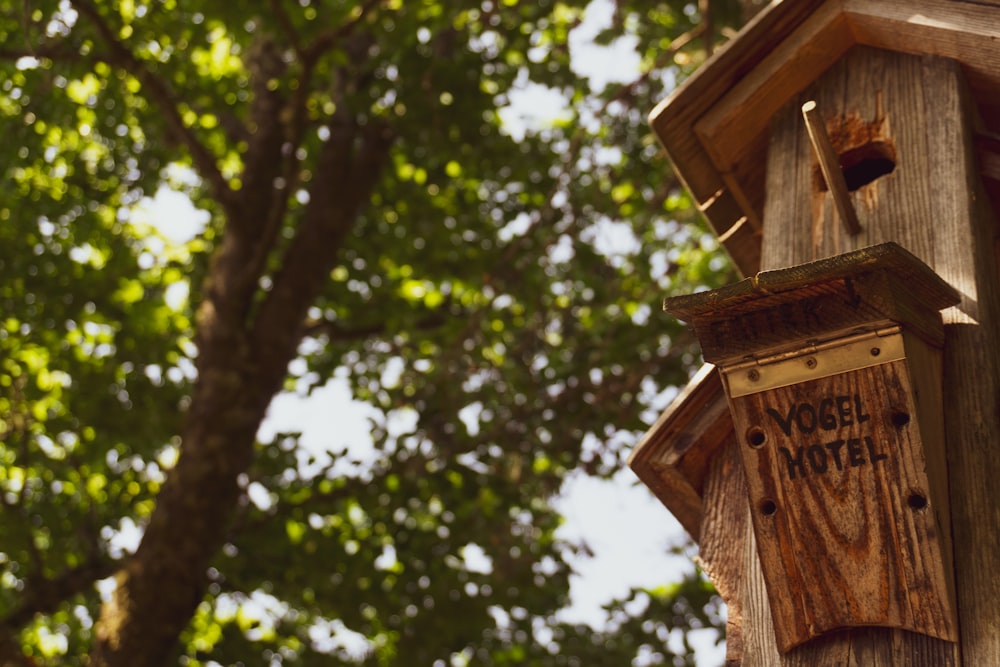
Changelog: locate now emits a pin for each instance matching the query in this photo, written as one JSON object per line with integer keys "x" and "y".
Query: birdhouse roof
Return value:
{"x": 715, "y": 126}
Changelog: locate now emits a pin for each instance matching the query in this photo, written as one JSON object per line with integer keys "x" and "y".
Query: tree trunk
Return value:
{"x": 244, "y": 351}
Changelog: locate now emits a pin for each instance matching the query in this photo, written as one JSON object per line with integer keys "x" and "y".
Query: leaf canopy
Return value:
{"x": 380, "y": 203}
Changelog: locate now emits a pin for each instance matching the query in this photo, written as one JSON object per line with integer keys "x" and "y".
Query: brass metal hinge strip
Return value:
{"x": 814, "y": 361}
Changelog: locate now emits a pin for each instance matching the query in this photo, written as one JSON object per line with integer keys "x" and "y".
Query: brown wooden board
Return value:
{"x": 842, "y": 508}
{"x": 674, "y": 456}
{"x": 819, "y": 300}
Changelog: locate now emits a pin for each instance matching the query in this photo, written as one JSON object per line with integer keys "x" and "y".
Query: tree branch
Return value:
{"x": 262, "y": 190}
{"x": 708, "y": 32}
{"x": 289, "y": 166}
{"x": 336, "y": 333}
{"x": 348, "y": 168}
{"x": 42, "y": 595}
{"x": 285, "y": 21}
{"x": 161, "y": 95}
{"x": 326, "y": 40}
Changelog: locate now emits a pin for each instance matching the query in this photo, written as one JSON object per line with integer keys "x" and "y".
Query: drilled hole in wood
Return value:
{"x": 756, "y": 436}
{"x": 900, "y": 418}
{"x": 863, "y": 164}
{"x": 916, "y": 500}
{"x": 768, "y": 507}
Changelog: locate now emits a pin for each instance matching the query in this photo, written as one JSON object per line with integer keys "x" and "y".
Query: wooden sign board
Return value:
{"x": 832, "y": 372}
{"x": 839, "y": 492}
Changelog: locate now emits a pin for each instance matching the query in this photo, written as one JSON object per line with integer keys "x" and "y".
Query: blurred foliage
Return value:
{"x": 495, "y": 300}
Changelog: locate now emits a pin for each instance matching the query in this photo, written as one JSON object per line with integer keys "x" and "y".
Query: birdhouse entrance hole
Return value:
{"x": 862, "y": 165}
{"x": 864, "y": 148}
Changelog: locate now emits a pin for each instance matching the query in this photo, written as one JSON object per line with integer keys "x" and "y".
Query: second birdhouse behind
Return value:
{"x": 832, "y": 371}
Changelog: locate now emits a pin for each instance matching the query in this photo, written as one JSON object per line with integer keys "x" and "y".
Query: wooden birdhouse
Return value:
{"x": 836, "y": 457}
{"x": 832, "y": 374}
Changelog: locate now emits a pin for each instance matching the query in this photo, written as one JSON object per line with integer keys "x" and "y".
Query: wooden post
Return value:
{"x": 829, "y": 164}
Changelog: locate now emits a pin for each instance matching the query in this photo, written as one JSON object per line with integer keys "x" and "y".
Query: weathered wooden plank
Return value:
{"x": 879, "y": 94}
{"x": 961, "y": 31}
{"x": 968, "y": 32}
{"x": 731, "y": 125}
{"x": 816, "y": 301}
{"x": 964, "y": 222}
{"x": 674, "y": 456}
{"x": 726, "y": 66}
{"x": 841, "y": 503}
{"x": 724, "y": 530}
{"x": 889, "y": 257}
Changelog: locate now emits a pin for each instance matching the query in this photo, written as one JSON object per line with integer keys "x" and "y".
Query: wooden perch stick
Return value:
{"x": 829, "y": 164}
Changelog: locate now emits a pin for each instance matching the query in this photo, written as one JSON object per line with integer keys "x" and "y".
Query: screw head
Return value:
{"x": 753, "y": 375}
{"x": 811, "y": 362}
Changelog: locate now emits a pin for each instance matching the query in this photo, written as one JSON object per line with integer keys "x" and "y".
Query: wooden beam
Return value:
{"x": 731, "y": 125}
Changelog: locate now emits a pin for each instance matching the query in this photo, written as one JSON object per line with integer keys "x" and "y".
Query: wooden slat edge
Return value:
{"x": 672, "y": 119}
{"x": 676, "y": 494}
{"x": 658, "y": 458}
{"x": 912, "y": 274}
{"x": 742, "y": 243}
{"x": 728, "y": 129}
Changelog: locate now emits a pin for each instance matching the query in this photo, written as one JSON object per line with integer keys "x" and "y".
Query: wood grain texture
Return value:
{"x": 728, "y": 128}
{"x": 956, "y": 30}
{"x": 964, "y": 222}
{"x": 841, "y": 503}
{"x": 968, "y": 32}
{"x": 868, "y": 87}
{"x": 861, "y": 290}
{"x": 726, "y": 66}
{"x": 725, "y": 530}
{"x": 829, "y": 163}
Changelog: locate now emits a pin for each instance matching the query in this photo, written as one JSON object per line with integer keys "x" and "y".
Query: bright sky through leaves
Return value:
{"x": 319, "y": 207}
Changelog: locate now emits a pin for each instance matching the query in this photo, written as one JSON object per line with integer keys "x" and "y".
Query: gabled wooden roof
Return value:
{"x": 715, "y": 126}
